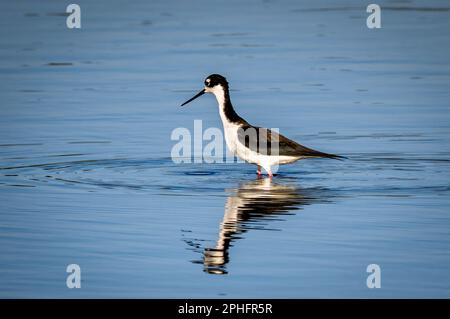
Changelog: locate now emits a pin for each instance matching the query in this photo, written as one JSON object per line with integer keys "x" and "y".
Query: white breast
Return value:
{"x": 231, "y": 136}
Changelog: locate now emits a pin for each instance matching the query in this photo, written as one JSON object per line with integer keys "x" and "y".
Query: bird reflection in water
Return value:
{"x": 251, "y": 206}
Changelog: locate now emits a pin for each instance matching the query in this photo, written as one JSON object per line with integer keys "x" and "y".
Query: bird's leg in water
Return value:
{"x": 259, "y": 171}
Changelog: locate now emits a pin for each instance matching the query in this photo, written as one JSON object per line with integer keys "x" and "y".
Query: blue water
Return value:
{"x": 86, "y": 175}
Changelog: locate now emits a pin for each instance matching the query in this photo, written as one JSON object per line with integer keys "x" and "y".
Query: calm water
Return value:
{"x": 86, "y": 175}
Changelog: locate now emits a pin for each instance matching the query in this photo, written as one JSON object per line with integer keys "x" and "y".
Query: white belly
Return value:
{"x": 239, "y": 149}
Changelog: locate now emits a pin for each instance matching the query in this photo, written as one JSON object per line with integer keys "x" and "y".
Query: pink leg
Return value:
{"x": 259, "y": 171}
{"x": 269, "y": 172}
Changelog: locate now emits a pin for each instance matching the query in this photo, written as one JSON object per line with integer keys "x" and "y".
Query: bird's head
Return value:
{"x": 215, "y": 83}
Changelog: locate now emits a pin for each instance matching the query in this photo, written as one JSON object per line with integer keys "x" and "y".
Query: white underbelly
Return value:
{"x": 239, "y": 149}
{"x": 260, "y": 159}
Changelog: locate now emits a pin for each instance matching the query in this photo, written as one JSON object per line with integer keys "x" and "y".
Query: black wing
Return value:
{"x": 265, "y": 141}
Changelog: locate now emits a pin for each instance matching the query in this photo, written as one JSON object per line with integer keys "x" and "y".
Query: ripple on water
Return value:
{"x": 391, "y": 174}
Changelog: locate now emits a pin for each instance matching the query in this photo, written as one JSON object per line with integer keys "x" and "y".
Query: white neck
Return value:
{"x": 219, "y": 93}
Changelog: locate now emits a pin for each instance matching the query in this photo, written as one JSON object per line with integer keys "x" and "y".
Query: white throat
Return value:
{"x": 219, "y": 93}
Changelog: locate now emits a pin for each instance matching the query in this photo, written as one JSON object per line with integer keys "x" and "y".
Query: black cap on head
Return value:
{"x": 210, "y": 82}
{"x": 215, "y": 79}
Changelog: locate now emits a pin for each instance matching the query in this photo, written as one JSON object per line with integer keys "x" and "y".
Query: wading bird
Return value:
{"x": 263, "y": 147}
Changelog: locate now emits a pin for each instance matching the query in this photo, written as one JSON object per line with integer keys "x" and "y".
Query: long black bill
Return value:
{"x": 193, "y": 98}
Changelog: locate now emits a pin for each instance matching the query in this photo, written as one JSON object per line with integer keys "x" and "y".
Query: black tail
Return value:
{"x": 308, "y": 152}
{"x": 333, "y": 156}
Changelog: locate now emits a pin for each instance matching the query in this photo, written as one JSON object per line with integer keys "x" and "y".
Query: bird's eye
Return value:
{"x": 208, "y": 82}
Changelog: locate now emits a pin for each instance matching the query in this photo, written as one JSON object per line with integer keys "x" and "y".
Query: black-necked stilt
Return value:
{"x": 253, "y": 144}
